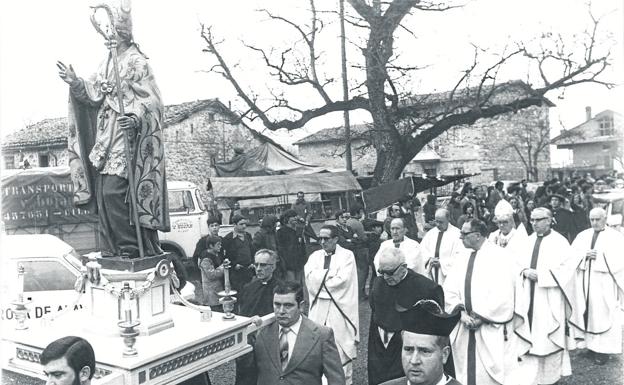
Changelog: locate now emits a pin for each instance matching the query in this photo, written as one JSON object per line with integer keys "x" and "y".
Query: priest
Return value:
{"x": 398, "y": 286}
{"x": 408, "y": 246}
{"x": 331, "y": 279}
{"x": 598, "y": 284}
{"x": 540, "y": 303}
{"x": 439, "y": 245}
{"x": 480, "y": 283}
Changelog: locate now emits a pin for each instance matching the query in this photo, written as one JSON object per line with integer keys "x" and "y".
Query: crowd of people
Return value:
{"x": 497, "y": 288}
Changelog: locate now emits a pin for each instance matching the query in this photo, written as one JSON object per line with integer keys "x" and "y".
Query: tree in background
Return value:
{"x": 404, "y": 122}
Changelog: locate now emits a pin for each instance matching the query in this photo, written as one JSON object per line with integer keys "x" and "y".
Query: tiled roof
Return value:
{"x": 53, "y": 132}
{"x": 336, "y": 134}
{"x": 507, "y": 93}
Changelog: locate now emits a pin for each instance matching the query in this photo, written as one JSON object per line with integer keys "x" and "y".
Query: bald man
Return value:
{"x": 398, "y": 286}
{"x": 597, "y": 284}
{"x": 439, "y": 246}
{"x": 409, "y": 247}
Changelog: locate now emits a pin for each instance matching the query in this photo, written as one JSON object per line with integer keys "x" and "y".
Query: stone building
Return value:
{"x": 597, "y": 144}
{"x": 497, "y": 147}
{"x": 196, "y": 133}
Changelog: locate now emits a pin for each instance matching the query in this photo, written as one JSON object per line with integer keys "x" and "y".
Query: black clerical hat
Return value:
{"x": 426, "y": 317}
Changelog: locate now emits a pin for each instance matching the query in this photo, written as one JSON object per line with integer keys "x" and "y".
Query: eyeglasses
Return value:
{"x": 260, "y": 264}
{"x": 539, "y": 219}
{"x": 324, "y": 239}
{"x": 389, "y": 272}
{"x": 463, "y": 235}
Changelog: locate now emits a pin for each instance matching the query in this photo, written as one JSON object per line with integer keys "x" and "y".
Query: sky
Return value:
{"x": 34, "y": 34}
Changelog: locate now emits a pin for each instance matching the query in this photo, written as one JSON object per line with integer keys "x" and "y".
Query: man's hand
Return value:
{"x": 127, "y": 122}
{"x": 530, "y": 274}
{"x": 591, "y": 254}
{"x": 435, "y": 262}
{"x": 471, "y": 322}
{"x": 66, "y": 73}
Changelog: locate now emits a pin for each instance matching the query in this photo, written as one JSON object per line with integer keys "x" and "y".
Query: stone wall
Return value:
{"x": 331, "y": 155}
{"x": 56, "y": 157}
{"x": 483, "y": 147}
{"x": 191, "y": 143}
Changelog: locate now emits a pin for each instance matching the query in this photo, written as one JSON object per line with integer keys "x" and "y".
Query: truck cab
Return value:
{"x": 188, "y": 216}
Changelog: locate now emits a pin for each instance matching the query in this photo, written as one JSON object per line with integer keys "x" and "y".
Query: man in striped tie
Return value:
{"x": 481, "y": 284}
{"x": 294, "y": 350}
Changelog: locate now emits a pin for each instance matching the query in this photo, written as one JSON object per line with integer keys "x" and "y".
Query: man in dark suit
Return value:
{"x": 426, "y": 344}
{"x": 294, "y": 350}
{"x": 398, "y": 286}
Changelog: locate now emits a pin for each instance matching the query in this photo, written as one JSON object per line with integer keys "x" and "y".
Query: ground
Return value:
{"x": 584, "y": 370}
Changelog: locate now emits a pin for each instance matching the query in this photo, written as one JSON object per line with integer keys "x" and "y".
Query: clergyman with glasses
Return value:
{"x": 256, "y": 299}
{"x": 481, "y": 284}
{"x": 399, "y": 288}
{"x": 331, "y": 279}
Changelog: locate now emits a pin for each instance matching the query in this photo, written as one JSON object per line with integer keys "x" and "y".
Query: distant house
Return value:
{"x": 596, "y": 144}
{"x": 196, "y": 133}
{"x": 493, "y": 147}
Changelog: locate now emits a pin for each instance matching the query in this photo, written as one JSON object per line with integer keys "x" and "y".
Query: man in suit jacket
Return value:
{"x": 294, "y": 350}
{"x": 426, "y": 344}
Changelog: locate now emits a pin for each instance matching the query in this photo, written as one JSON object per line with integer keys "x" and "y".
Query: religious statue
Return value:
{"x": 116, "y": 148}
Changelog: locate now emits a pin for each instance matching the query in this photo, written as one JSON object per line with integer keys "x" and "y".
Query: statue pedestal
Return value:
{"x": 147, "y": 287}
{"x": 168, "y": 357}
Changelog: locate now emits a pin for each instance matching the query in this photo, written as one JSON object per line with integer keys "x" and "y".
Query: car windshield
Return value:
{"x": 73, "y": 258}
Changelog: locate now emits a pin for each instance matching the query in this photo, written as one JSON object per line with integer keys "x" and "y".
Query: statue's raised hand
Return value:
{"x": 66, "y": 73}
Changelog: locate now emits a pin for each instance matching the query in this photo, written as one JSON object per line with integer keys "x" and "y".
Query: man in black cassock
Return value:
{"x": 256, "y": 299}
{"x": 399, "y": 287}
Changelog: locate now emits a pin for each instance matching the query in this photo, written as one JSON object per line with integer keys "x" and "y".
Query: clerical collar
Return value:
{"x": 545, "y": 234}
{"x": 402, "y": 239}
{"x": 330, "y": 253}
{"x": 597, "y": 231}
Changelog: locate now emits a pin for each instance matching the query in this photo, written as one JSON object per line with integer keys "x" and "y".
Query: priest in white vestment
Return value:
{"x": 331, "y": 279}
{"x": 409, "y": 247}
{"x": 598, "y": 287}
{"x": 439, "y": 246}
{"x": 513, "y": 239}
{"x": 480, "y": 282}
{"x": 541, "y": 304}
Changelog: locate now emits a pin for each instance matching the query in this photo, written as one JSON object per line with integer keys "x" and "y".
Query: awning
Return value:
{"x": 382, "y": 196}
{"x": 276, "y": 185}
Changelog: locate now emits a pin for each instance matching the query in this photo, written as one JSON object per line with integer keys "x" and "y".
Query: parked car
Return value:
{"x": 51, "y": 267}
{"x": 613, "y": 202}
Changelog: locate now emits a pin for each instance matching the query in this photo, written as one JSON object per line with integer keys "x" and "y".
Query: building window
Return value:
{"x": 454, "y": 136}
{"x": 459, "y": 171}
{"x": 606, "y": 126}
{"x": 44, "y": 160}
{"x": 9, "y": 162}
{"x": 211, "y": 117}
{"x": 430, "y": 171}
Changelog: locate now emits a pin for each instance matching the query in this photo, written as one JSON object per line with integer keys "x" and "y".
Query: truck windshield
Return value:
{"x": 177, "y": 200}
{"x": 200, "y": 202}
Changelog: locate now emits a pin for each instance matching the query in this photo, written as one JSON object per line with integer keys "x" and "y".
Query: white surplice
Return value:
{"x": 411, "y": 250}
{"x": 492, "y": 297}
{"x": 341, "y": 282}
{"x": 543, "y": 345}
{"x": 449, "y": 247}
{"x": 605, "y": 285}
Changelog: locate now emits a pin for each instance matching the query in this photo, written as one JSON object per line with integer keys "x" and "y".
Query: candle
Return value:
{"x": 226, "y": 276}
{"x": 20, "y": 282}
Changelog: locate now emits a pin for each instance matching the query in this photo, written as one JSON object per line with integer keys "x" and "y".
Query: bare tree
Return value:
{"x": 528, "y": 140}
{"x": 402, "y": 122}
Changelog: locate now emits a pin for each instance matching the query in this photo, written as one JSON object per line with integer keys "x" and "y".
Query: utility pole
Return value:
{"x": 345, "y": 88}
